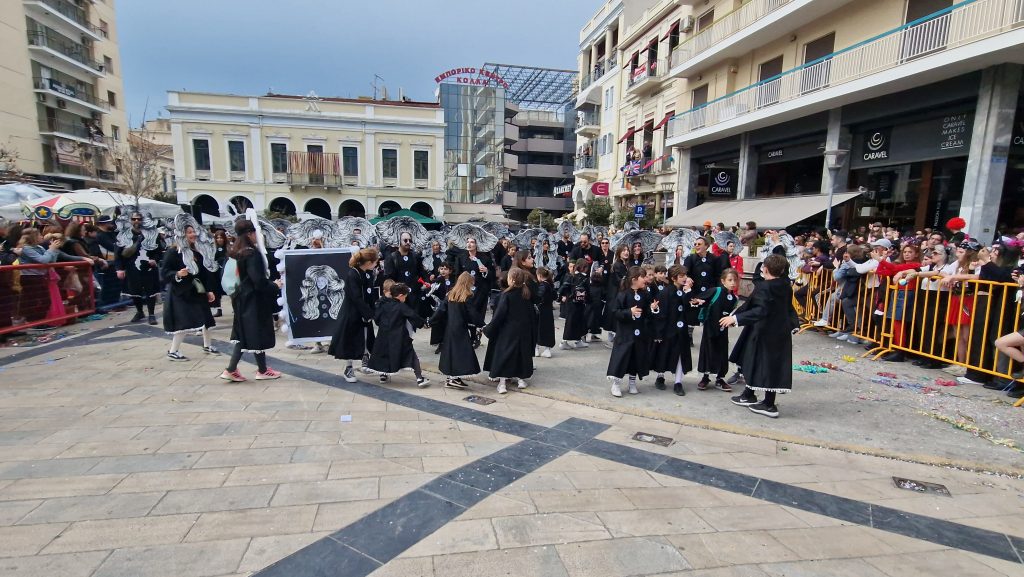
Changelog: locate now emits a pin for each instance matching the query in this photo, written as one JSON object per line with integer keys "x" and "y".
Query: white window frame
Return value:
{"x": 227, "y": 155}
{"x": 414, "y": 151}
{"x": 358, "y": 156}
{"x": 209, "y": 155}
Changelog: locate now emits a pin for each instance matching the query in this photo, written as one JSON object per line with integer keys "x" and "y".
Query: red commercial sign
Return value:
{"x": 474, "y": 76}
{"x": 599, "y": 189}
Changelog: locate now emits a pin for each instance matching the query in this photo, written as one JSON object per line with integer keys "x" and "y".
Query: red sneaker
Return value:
{"x": 269, "y": 375}
{"x": 234, "y": 377}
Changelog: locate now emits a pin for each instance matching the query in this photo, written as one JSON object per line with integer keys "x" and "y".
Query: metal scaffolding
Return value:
{"x": 535, "y": 88}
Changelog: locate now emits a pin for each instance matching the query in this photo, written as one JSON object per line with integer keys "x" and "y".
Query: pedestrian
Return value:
{"x": 764, "y": 349}
{"x": 392, "y": 347}
{"x": 575, "y": 296}
{"x": 510, "y": 334}
{"x": 220, "y": 239}
{"x": 138, "y": 262}
{"x": 545, "y": 313}
{"x": 253, "y": 302}
{"x": 631, "y": 347}
{"x": 187, "y": 308}
{"x": 595, "y": 306}
{"x": 619, "y": 271}
{"x": 672, "y": 339}
{"x": 353, "y": 330}
{"x": 715, "y": 304}
{"x": 457, "y": 357}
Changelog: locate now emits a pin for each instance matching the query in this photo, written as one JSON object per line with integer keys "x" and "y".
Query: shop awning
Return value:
{"x": 628, "y": 134}
{"x": 665, "y": 120}
{"x": 629, "y": 61}
{"x": 651, "y": 43}
{"x": 675, "y": 26}
{"x": 767, "y": 212}
{"x": 405, "y": 212}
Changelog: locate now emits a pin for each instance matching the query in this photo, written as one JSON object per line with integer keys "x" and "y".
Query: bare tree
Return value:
{"x": 137, "y": 163}
{"x": 9, "y": 171}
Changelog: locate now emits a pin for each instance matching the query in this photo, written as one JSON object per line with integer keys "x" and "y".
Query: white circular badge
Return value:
{"x": 679, "y": 324}
{"x": 405, "y": 258}
{"x": 679, "y": 293}
{"x": 703, "y": 273}
{"x": 636, "y": 332}
{"x": 636, "y": 298}
{"x": 680, "y": 309}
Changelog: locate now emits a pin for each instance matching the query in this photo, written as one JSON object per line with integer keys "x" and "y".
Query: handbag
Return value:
{"x": 198, "y": 285}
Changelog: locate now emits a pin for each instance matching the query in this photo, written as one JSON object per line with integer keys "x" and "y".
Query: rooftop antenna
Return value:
{"x": 374, "y": 85}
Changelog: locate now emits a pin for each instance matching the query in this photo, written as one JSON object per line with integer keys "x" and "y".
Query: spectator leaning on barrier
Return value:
{"x": 993, "y": 312}
{"x": 902, "y": 303}
{"x": 928, "y": 330}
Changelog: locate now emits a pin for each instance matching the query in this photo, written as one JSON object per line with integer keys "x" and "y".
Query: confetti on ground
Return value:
{"x": 849, "y": 359}
{"x": 965, "y": 423}
{"x": 812, "y": 369}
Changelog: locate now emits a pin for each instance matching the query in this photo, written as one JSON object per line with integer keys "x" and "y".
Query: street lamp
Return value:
{"x": 834, "y": 161}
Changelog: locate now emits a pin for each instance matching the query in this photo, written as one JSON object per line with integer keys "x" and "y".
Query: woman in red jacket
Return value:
{"x": 735, "y": 263}
{"x": 901, "y": 306}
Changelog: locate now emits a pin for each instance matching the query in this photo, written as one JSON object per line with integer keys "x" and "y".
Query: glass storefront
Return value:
{"x": 908, "y": 196}
{"x": 790, "y": 169}
{"x": 717, "y": 178}
{"x": 474, "y": 140}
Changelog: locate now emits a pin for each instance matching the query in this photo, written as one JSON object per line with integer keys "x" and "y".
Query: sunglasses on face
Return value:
{"x": 136, "y": 220}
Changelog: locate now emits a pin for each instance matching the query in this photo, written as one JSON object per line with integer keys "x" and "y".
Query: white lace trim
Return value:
{"x": 192, "y": 330}
{"x": 249, "y": 350}
{"x": 767, "y": 390}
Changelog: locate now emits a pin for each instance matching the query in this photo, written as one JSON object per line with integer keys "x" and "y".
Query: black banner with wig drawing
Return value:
{"x": 314, "y": 282}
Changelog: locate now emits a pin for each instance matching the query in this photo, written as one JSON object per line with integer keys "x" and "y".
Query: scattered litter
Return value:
{"x": 849, "y": 359}
{"x": 652, "y": 439}
{"x": 965, "y": 423}
{"x": 921, "y": 486}
{"x": 812, "y": 369}
{"x": 945, "y": 383}
{"x": 95, "y": 317}
{"x": 346, "y": 418}
{"x": 828, "y": 366}
{"x": 887, "y": 375}
{"x": 479, "y": 400}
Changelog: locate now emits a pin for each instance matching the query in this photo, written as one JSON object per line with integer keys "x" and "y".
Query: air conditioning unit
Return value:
{"x": 41, "y": 97}
{"x": 61, "y": 103}
{"x": 686, "y": 26}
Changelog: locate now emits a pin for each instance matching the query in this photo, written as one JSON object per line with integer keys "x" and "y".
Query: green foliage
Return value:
{"x": 269, "y": 214}
{"x": 539, "y": 218}
{"x": 598, "y": 210}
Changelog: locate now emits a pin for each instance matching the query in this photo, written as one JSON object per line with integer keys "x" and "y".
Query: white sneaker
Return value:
{"x": 546, "y": 353}
{"x": 350, "y": 375}
{"x": 521, "y": 384}
{"x": 838, "y": 334}
{"x": 616, "y": 391}
{"x": 566, "y": 345}
{"x": 501, "y": 389}
{"x": 967, "y": 381}
{"x": 536, "y": 351}
{"x": 580, "y": 344}
{"x": 843, "y": 337}
{"x": 632, "y": 388}
{"x": 821, "y": 323}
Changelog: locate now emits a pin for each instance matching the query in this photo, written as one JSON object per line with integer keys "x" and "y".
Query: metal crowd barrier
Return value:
{"x": 45, "y": 294}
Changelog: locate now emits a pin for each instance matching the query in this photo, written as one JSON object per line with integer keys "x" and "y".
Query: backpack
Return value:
{"x": 579, "y": 294}
{"x": 703, "y": 314}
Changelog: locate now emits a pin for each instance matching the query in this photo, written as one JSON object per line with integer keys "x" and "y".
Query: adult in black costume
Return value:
{"x": 189, "y": 282}
{"x": 510, "y": 333}
{"x": 137, "y": 263}
{"x": 351, "y": 338}
{"x": 404, "y": 265}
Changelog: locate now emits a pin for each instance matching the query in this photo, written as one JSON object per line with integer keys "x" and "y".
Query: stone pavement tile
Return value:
{"x": 119, "y": 533}
{"x": 1009, "y": 524}
{"x": 240, "y": 457}
{"x": 233, "y": 417}
{"x": 273, "y": 474}
{"x": 830, "y": 567}
{"x": 648, "y": 522}
{"x": 273, "y": 406}
{"x": 146, "y": 463}
{"x": 353, "y": 469}
{"x": 534, "y": 561}
{"x": 407, "y": 567}
{"x": 833, "y": 542}
{"x": 49, "y": 487}
{"x": 669, "y": 481}
{"x": 172, "y": 432}
{"x": 993, "y": 503}
{"x": 935, "y": 506}
{"x": 420, "y": 426}
{"x": 339, "y": 426}
{"x": 398, "y": 485}
{"x": 204, "y": 444}
{"x": 21, "y": 541}
{"x": 588, "y": 500}
{"x": 626, "y": 478}
{"x": 32, "y": 452}
{"x": 334, "y": 453}
{"x": 735, "y": 571}
{"x": 264, "y": 551}
{"x": 456, "y": 537}
{"x": 48, "y": 468}
{"x": 621, "y": 558}
{"x": 326, "y": 492}
{"x": 220, "y": 499}
{"x": 173, "y": 480}
{"x": 480, "y": 448}
{"x": 573, "y": 461}
{"x": 333, "y": 516}
{"x": 543, "y": 482}
{"x": 109, "y": 449}
{"x": 19, "y": 437}
{"x": 70, "y": 565}
{"x": 708, "y": 550}
{"x": 863, "y": 490}
{"x": 192, "y": 559}
{"x": 253, "y": 523}
{"x": 424, "y": 450}
{"x": 12, "y": 511}
{"x": 112, "y": 506}
{"x": 501, "y": 505}
{"x": 1006, "y": 568}
{"x": 749, "y": 518}
{"x": 444, "y": 464}
{"x": 153, "y": 416}
{"x": 545, "y": 529}
{"x": 815, "y": 519}
{"x": 266, "y": 428}
{"x": 295, "y": 439}
{"x": 460, "y": 436}
{"x": 812, "y": 473}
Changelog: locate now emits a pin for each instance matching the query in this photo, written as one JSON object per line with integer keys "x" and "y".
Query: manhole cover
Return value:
{"x": 920, "y": 486}
{"x": 653, "y": 439}
{"x": 479, "y": 400}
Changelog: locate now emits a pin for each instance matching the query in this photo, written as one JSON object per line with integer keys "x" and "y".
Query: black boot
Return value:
{"x": 659, "y": 383}
{"x": 678, "y": 389}
{"x": 894, "y": 357}
{"x": 139, "y": 317}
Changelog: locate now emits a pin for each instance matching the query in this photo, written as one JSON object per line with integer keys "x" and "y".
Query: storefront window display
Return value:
{"x": 915, "y": 195}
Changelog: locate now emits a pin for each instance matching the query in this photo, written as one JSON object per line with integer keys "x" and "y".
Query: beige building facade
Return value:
{"x": 288, "y": 154}
{"x": 61, "y": 93}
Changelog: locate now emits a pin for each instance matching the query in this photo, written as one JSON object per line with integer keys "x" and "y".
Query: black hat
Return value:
{"x": 105, "y": 219}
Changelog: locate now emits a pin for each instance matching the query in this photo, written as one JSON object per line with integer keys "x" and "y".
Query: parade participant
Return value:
{"x": 702, "y": 267}
{"x": 510, "y": 334}
{"x": 253, "y": 303}
{"x": 677, "y": 257}
{"x": 585, "y": 249}
{"x": 352, "y": 336}
{"x": 439, "y": 291}
{"x": 432, "y": 263}
{"x": 636, "y": 255}
{"x": 403, "y": 266}
{"x": 672, "y": 340}
{"x": 481, "y": 266}
{"x": 714, "y": 343}
{"x": 545, "y": 313}
{"x": 392, "y": 348}
{"x": 454, "y": 314}
{"x": 631, "y": 347}
{"x": 220, "y": 239}
{"x": 619, "y": 271}
{"x": 606, "y": 258}
{"x": 137, "y": 263}
{"x": 660, "y": 278}
{"x": 596, "y": 289}
{"x": 735, "y": 262}
{"x": 574, "y": 296}
{"x": 765, "y": 347}
{"x": 189, "y": 272}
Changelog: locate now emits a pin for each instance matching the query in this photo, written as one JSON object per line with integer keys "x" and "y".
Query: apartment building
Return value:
{"x": 154, "y": 137}
{"x": 330, "y": 157}
{"x": 61, "y": 93}
{"x": 905, "y": 112}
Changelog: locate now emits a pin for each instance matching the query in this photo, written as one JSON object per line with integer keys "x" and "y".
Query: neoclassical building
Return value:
{"x": 292, "y": 154}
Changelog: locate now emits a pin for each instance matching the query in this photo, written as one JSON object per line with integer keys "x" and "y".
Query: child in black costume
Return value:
{"x": 545, "y": 313}
{"x": 457, "y": 357}
{"x": 672, "y": 339}
{"x": 716, "y": 303}
{"x": 575, "y": 295}
{"x": 633, "y": 310}
{"x": 392, "y": 349}
{"x": 444, "y": 283}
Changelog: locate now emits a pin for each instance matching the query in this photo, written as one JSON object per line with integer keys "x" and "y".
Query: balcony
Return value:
{"x": 588, "y": 124}
{"x": 753, "y": 24}
{"x": 72, "y": 130}
{"x": 63, "y": 16}
{"x": 71, "y": 94}
{"x": 585, "y": 166}
{"x": 322, "y": 169}
{"x": 646, "y": 77}
{"x": 511, "y": 133}
{"x": 59, "y": 169}
{"x": 967, "y": 36}
{"x": 58, "y": 52}
{"x": 590, "y": 86}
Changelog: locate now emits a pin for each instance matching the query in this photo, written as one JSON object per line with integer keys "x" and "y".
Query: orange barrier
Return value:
{"x": 45, "y": 294}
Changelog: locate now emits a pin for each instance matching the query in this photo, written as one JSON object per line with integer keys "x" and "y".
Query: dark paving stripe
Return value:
{"x": 69, "y": 341}
{"x": 468, "y": 485}
{"x": 386, "y": 533}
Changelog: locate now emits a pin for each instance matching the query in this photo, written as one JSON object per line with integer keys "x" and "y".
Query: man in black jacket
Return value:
{"x": 403, "y": 266}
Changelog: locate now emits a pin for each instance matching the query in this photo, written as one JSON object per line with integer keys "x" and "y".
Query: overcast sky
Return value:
{"x": 333, "y": 47}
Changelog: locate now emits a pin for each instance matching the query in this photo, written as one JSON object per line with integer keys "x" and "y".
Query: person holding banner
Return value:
{"x": 350, "y": 339}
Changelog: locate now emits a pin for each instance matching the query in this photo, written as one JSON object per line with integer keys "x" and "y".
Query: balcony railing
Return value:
{"x": 57, "y": 43}
{"x": 70, "y": 128}
{"x": 720, "y": 30}
{"x": 585, "y": 119}
{"x": 647, "y": 70}
{"x": 585, "y": 162}
{"x": 73, "y": 13}
{"x": 597, "y": 71}
{"x": 69, "y": 90}
{"x": 960, "y": 24}
{"x": 314, "y": 169}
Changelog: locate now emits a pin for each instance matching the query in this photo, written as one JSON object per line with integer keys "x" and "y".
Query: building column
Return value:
{"x": 593, "y": 60}
{"x": 256, "y": 144}
{"x": 178, "y": 143}
{"x": 369, "y": 157}
{"x": 837, "y": 138}
{"x": 990, "y": 146}
{"x": 746, "y": 178}
{"x": 686, "y": 180}
{"x": 609, "y": 49}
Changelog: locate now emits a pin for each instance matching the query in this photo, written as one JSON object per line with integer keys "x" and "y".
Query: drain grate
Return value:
{"x": 479, "y": 400}
{"x": 920, "y": 486}
{"x": 652, "y": 439}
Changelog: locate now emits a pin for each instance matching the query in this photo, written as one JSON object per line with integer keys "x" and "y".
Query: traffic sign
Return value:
{"x": 638, "y": 211}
